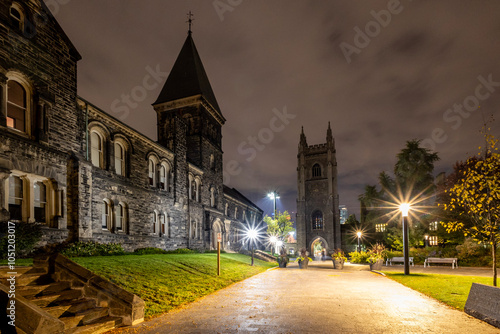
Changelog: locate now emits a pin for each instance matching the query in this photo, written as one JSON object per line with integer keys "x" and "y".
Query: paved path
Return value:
{"x": 318, "y": 300}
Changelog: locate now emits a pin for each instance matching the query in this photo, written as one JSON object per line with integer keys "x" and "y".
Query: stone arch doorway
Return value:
{"x": 217, "y": 228}
{"x": 317, "y": 246}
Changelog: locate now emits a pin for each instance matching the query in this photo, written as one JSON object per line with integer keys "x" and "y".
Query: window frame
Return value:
{"x": 314, "y": 220}
{"x": 100, "y": 149}
{"x": 317, "y": 170}
{"x": 28, "y": 91}
{"x": 122, "y": 171}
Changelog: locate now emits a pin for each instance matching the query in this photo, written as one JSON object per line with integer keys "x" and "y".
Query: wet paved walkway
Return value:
{"x": 317, "y": 300}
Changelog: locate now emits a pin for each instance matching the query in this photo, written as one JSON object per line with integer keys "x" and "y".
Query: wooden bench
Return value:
{"x": 452, "y": 260}
{"x": 398, "y": 259}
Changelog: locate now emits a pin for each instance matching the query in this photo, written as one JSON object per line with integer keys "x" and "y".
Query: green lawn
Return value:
{"x": 450, "y": 289}
{"x": 168, "y": 281}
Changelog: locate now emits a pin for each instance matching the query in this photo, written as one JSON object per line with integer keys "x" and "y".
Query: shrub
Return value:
{"x": 221, "y": 251}
{"x": 27, "y": 235}
{"x": 149, "y": 250}
{"x": 91, "y": 248}
{"x": 359, "y": 257}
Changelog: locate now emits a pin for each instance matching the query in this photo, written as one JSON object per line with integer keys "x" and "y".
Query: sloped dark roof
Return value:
{"x": 239, "y": 196}
{"x": 188, "y": 78}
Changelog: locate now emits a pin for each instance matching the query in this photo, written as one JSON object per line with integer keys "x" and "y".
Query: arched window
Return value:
{"x": 197, "y": 183}
{"x": 17, "y": 16}
{"x": 16, "y": 198}
{"x": 152, "y": 171}
{"x": 40, "y": 205}
{"x": 163, "y": 228}
{"x": 212, "y": 162}
{"x": 17, "y": 117}
{"x": 121, "y": 218}
{"x": 96, "y": 149}
{"x": 212, "y": 197}
{"x": 106, "y": 215}
{"x": 164, "y": 176}
{"x": 317, "y": 220}
{"x": 119, "y": 159}
{"x": 156, "y": 222}
{"x": 316, "y": 170}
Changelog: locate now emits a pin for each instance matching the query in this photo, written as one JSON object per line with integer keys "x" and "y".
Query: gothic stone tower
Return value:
{"x": 189, "y": 122}
{"x": 317, "y": 201}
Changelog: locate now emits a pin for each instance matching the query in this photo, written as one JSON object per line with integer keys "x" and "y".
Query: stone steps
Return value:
{"x": 79, "y": 315}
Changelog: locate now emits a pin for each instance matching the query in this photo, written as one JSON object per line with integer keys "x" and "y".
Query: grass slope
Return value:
{"x": 452, "y": 290}
{"x": 168, "y": 281}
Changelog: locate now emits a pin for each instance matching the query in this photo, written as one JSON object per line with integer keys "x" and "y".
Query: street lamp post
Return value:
{"x": 252, "y": 235}
{"x": 426, "y": 242}
{"x": 274, "y": 196}
{"x": 405, "y": 207}
{"x": 359, "y": 241}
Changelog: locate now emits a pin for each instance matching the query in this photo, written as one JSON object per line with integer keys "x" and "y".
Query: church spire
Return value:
{"x": 303, "y": 141}
{"x": 329, "y": 137}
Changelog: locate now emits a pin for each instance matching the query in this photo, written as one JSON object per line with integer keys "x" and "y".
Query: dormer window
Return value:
{"x": 17, "y": 16}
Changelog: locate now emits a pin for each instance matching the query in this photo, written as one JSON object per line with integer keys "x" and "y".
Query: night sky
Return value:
{"x": 425, "y": 70}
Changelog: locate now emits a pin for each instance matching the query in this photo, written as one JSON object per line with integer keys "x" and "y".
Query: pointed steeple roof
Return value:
{"x": 188, "y": 78}
{"x": 303, "y": 141}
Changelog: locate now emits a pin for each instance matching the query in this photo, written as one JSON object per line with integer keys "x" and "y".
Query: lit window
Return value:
{"x": 433, "y": 226}
{"x": 317, "y": 220}
{"x": 433, "y": 240}
{"x": 16, "y": 198}
{"x": 163, "y": 177}
{"x": 316, "y": 170}
{"x": 40, "y": 202}
{"x": 380, "y": 227}
{"x": 96, "y": 147}
{"x": 119, "y": 159}
{"x": 16, "y": 106}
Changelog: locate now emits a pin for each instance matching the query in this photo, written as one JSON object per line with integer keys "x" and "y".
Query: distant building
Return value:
{"x": 343, "y": 214}
{"x": 318, "y": 220}
{"x": 84, "y": 175}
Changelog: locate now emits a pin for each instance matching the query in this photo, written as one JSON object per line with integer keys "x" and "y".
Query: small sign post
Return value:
{"x": 219, "y": 239}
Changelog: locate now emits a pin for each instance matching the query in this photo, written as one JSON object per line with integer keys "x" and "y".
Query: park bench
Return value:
{"x": 398, "y": 259}
{"x": 452, "y": 260}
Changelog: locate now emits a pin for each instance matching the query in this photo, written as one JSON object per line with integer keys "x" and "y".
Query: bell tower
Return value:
{"x": 318, "y": 219}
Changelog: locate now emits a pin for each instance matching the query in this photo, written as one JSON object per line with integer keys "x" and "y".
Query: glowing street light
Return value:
{"x": 359, "y": 240}
{"x": 252, "y": 236}
{"x": 274, "y": 196}
{"x": 273, "y": 240}
{"x": 405, "y": 208}
{"x": 279, "y": 243}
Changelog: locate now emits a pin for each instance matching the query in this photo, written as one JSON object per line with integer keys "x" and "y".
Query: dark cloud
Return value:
{"x": 286, "y": 54}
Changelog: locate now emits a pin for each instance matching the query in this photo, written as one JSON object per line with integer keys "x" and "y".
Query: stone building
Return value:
{"x": 85, "y": 175}
{"x": 318, "y": 221}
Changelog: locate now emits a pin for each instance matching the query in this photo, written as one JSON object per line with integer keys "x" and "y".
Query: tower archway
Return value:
{"x": 317, "y": 247}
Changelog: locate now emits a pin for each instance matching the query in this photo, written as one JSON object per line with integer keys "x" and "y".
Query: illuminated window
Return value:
{"x": 380, "y": 227}
{"x": 16, "y": 198}
{"x": 433, "y": 240}
{"x": 96, "y": 149}
{"x": 433, "y": 226}
{"x": 163, "y": 177}
{"x": 317, "y": 220}
{"x": 119, "y": 159}
{"x": 16, "y": 106}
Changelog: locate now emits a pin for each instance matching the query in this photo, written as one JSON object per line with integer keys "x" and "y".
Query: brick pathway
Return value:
{"x": 317, "y": 300}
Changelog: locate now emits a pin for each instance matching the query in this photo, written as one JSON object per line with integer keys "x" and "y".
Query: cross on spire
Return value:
{"x": 190, "y": 21}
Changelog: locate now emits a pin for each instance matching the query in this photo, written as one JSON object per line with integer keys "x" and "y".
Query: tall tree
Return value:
{"x": 476, "y": 196}
{"x": 281, "y": 226}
